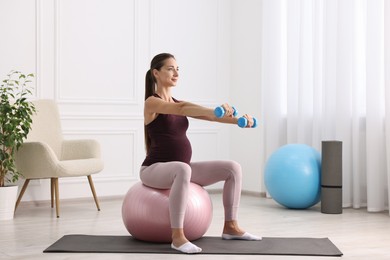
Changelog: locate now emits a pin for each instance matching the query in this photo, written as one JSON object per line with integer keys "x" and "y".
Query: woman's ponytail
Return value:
{"x": 149, "y": 84}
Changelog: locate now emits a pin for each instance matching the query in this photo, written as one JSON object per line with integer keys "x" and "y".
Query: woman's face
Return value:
{"x": 168, "y": 75}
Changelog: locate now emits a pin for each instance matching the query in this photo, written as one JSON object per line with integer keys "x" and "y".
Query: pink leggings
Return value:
{"x": 177, "y": 176}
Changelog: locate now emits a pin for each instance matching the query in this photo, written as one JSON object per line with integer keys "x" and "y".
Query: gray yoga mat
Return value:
{"x": 210, "y": 245}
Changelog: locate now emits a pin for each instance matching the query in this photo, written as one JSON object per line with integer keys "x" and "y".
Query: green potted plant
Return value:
{"x": 15, "y": 123}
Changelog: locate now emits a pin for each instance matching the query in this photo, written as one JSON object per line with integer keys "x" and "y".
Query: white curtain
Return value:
{"x": 326, "y": 76}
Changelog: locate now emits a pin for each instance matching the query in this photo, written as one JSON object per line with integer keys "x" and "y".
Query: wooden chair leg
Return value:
{"x": 52, "y": 190}
{"x": 26, "y": 182}
{"x": 93, "y": 191}
{"x": 57, "y": 197}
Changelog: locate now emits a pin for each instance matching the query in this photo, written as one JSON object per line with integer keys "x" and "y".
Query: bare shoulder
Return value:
{"x": 153, "y": 101}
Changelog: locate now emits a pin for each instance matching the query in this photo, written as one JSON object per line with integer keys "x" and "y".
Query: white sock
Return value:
{"x": 187, "y": 248}
{"x": 245, "y": 236}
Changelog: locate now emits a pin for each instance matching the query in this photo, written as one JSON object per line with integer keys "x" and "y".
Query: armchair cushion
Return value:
{"x": 73, "y": 168}
{"x": 80, "y": 149}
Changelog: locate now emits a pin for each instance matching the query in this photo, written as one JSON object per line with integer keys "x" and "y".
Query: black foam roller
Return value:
{"x": 331, "y": 163}
{"x": 331, "y": 177}
{"x": 331, "y": 200}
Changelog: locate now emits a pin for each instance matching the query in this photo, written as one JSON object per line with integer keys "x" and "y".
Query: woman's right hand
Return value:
{"x": 229, "y": 110}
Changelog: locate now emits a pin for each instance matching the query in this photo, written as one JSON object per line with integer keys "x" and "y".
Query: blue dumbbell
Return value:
{"x": 220, "y": 112}
{"x": 242, "y": 122}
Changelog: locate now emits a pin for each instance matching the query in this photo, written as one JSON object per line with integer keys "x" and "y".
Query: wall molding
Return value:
{"x": 57, "y": 66}
{"x": 103, "y": 117}
{"x": 94, "y": 131}
{"x": 133, "y": 133}
{"x": 38, "y": 47}
{"x": 98, "y": 179}
{"x": 203, "y": 130}
{"x": 208, "y": 101}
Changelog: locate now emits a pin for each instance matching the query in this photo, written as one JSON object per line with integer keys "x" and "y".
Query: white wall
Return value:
{"x": 91, "y": 57}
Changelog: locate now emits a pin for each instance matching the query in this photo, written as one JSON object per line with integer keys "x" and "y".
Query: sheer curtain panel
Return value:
{"x": 326, "y": 76}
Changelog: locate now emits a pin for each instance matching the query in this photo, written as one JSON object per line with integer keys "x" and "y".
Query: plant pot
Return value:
{"x": 7, "y": 201}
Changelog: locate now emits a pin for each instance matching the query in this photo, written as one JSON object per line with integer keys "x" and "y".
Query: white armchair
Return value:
{"x": 45, "y": 155}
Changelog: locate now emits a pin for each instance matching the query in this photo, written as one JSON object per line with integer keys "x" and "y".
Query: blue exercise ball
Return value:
{"x": 293, "y": 176}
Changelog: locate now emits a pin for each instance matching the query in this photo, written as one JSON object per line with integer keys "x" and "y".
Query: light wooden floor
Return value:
{"x": 359, "y": 235}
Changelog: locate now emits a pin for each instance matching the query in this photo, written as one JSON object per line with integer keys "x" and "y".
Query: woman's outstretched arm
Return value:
{"x": 154, "y": 106}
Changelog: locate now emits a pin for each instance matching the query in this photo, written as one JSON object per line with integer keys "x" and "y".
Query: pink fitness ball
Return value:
{"x": 145, "y": 213}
